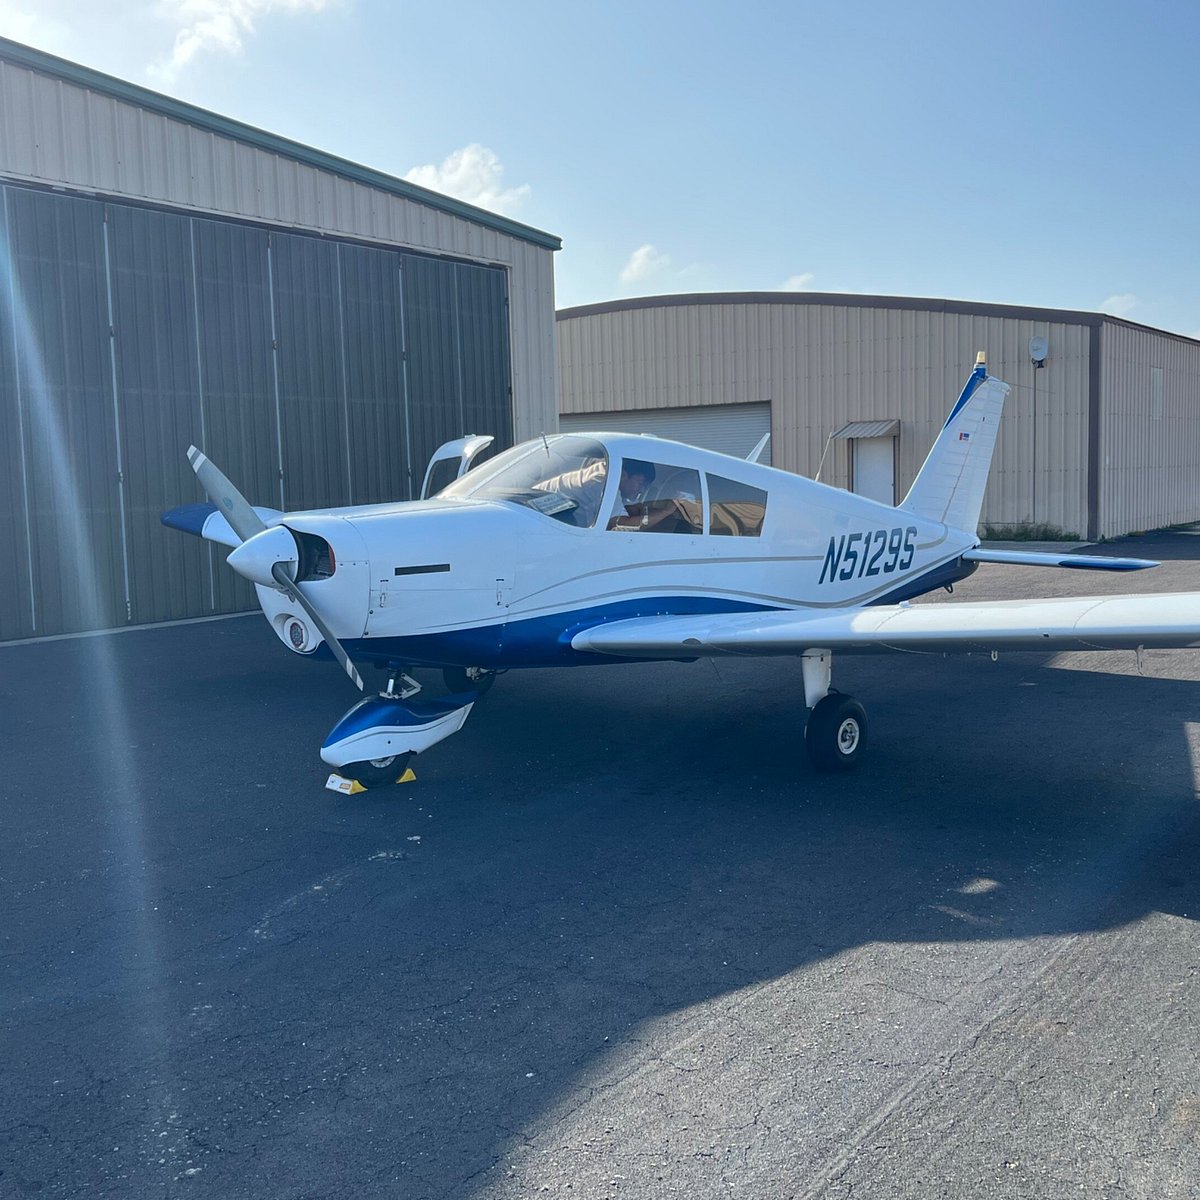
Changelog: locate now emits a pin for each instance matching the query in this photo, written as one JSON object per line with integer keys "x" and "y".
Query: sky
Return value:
{"x": 1026, "y": 153}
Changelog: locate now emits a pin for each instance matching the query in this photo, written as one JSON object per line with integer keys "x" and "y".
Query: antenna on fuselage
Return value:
{"x": 821, "y": 464}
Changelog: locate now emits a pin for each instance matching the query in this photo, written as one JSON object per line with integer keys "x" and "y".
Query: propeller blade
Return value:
{"x": 289, "y": 585}
{"x": 243, "y": 520}
{"x": 246, "y": 523}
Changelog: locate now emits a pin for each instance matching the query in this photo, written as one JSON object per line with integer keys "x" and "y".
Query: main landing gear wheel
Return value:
{"x": 836, "y": 733}
{"x": 469, "y": 679}
{"x": 379, "y": 772}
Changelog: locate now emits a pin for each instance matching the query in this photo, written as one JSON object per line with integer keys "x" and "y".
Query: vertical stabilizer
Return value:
{"x": 949, "y": 486}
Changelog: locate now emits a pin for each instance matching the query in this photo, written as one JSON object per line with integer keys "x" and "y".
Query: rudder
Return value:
{"x": 951, "y": 482}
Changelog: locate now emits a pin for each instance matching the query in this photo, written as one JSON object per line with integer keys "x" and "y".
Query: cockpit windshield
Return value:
{"x": 561, "y": 477}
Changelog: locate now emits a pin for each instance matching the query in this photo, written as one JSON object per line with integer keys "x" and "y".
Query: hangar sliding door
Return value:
{"x": 154, "y": 337}
{"x": 373, "y": 334}
{"x": 310, "y": 365}
{"x": 16, "y": 581}
{"x": 315, "y": 372}
{"x": 455, "y": 335}
{"x": 60, "y": 384}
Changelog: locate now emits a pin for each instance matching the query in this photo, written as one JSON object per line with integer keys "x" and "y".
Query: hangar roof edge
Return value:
{"x": 109, "y": 85}
{"x": 973, "y": 308}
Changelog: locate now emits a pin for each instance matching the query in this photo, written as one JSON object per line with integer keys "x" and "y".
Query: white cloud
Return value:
{"x": 644, "y": 262}
{"x": 155, "y": 39}
{"x": 797, "y": 283}
{"x": 1120, "y": 305}
{"x": 35, "y": 26}
{"x": 220, "y": 26}
{"x": 473, "y": 174}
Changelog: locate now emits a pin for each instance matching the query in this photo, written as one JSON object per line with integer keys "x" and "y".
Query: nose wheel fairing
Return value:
{"x": 380, "y": 727}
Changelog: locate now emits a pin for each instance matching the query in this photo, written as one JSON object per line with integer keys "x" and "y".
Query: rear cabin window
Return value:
{"x": 735, "y": 509}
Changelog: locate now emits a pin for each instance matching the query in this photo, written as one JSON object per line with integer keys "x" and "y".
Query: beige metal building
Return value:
{"x": 170, "y": 276}
{"x": 1101, "y": 439}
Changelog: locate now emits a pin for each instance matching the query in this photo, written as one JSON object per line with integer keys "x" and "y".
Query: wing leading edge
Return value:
{"x": 1077, "y": 623}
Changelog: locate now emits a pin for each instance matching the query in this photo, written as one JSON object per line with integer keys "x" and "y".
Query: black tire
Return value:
{"x": 836, "y": 734}
{"x": 377, "y": 773}
{"x": 468, "y": 679}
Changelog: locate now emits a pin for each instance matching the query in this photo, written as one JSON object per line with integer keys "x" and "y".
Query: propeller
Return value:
{"x": 247, "y": 524}
{"x": 234, "y": 507}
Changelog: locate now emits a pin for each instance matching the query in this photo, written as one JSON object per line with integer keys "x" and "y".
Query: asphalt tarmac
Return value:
{"x": 617, "y": 940}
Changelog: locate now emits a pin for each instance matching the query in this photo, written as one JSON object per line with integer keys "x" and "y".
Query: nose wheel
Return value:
{"x": 836, "y": 733}
{"x": 378, "y": 772}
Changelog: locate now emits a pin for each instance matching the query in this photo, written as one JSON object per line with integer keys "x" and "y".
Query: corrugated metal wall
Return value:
{"x": 821, "y": 364}
{"x": 128, "y": 333}
{"x": 727, "y": 428}
{"x": 1149, "y": 429}
{"x": 54, "y": 131}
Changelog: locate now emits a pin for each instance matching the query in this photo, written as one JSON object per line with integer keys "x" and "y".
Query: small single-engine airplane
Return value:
{"x": 590, "y": 548}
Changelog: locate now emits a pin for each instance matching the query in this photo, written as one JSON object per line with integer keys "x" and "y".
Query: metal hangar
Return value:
{"x": 173, "y": 276}
{"x": 1100, "y": 436}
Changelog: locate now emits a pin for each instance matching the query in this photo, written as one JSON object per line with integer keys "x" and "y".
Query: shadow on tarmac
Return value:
{"x": 218, "y": 973}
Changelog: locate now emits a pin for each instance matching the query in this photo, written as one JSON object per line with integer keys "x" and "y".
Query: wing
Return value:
{"x": 1077, "y": 623}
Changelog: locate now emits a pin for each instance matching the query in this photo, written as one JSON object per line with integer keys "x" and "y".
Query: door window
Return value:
{"x": 657, "y": 498}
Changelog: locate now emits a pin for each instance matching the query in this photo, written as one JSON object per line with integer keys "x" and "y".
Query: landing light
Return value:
{"x": 296, "y": 634}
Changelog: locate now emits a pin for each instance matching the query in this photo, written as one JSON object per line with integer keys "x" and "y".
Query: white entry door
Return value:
{"x": 874, "y": 468}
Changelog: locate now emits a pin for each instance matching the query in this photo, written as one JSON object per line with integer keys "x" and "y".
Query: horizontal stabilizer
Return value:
{"x": 189, "y": 518}
{"x": 203, "y": 520}
{"x": 1076, "y": 562}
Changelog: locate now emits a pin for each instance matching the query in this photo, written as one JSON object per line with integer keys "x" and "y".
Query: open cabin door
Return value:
{"x": 452, "y": 460}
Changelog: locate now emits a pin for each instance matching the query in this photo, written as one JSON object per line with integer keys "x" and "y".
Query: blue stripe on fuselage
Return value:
{"x": 533, "y": 641}
{"x": 943, "y": 575}
{"x": 546, "y": 641}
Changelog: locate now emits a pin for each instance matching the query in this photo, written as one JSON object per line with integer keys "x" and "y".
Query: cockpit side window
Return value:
{"x": 735, "y": 509}
{"x": 657, "y": 498}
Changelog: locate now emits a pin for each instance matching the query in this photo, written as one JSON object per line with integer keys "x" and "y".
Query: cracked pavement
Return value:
{"x": 617, "y": 940}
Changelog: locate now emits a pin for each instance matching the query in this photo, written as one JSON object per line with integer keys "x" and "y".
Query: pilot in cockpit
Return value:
{"x": 586, "y": 487}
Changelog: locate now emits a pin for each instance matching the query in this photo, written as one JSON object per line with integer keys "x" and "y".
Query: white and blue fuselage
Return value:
{"x": 495, "y": 583}
{"x": 606, "y": 547}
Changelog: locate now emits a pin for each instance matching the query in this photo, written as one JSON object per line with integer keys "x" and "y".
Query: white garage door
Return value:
{"x": 731, "y": 428}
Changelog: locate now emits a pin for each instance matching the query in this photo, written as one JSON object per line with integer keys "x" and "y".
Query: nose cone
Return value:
{"x": 255, "y": 557}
